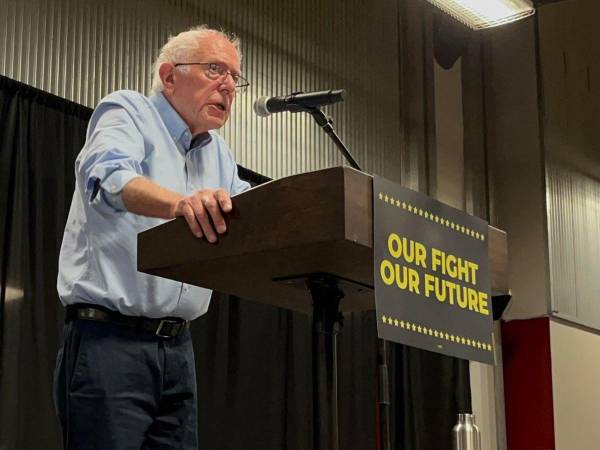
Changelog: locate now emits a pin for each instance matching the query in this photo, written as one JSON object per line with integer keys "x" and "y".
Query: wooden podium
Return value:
{"x": 303, "y": 243}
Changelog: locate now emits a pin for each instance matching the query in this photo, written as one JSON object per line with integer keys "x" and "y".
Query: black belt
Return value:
{"x": 167, "y": 328}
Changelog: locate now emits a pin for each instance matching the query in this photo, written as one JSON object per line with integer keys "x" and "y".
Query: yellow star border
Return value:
{"x": 440, "y": 334}
{"x": 397, "y": 203}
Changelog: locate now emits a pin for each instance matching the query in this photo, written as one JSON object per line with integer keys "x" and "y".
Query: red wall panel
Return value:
{"x": 528, "y": 384}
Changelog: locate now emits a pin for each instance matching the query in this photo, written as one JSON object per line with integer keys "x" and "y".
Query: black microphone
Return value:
{"x": 297, "y": 102}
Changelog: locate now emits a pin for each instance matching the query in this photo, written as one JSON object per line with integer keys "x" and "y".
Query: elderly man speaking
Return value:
{"x": 125, "y": 377}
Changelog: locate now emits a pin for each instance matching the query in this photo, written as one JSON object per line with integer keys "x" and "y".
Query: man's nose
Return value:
{"x": 227, "y": 82}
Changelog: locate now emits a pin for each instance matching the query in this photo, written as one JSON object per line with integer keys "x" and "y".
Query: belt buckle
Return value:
{"x": 171, "y": 324}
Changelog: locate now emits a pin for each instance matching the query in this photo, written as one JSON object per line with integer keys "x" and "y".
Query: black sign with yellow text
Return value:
{"x": 431, "y": 269}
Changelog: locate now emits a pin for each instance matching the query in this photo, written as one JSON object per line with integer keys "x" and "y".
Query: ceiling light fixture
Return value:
{"x": 479, "y": 14}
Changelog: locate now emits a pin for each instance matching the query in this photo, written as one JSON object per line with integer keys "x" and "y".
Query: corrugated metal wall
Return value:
{"x": 82, "y": 49}
{"x": 570, "y": 62}
{"x": 574, "y": 230}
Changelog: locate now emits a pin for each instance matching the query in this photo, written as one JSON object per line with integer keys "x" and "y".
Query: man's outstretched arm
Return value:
{"x": 201, "y": 210}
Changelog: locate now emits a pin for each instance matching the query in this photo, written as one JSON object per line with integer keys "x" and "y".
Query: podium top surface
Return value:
{"x": 315, "y": 222}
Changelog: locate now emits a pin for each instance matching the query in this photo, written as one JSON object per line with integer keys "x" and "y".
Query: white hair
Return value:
{"x": 182, "y": 47}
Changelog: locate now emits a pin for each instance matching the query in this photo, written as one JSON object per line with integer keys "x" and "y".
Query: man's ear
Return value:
{"x": 167, "y": 76}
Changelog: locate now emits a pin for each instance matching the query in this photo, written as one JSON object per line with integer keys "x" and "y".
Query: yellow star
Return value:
{"x": 452, "y": 225}
{"x": 392, "y": 200}
{"x": 489, "y": 347}
{"x": 462, "y": 340}
{"x": 414, "y": 327}
{"x": 420, "y": 212}
{"x": 419, "y": 328}
{"x": 396, "y": 322}
{"x": 437, "y": 219}
{"x": 447, "y": 336}
{"x": 398, "y": 203}
{"x": 468, "y": 341}
{"x": 426, "y": 215}
{"x": 380, "y": 196}
{"x": 386, "y": 198}
{"x": 435, "y": 333}
{"x": 402, "y": 323}
{"x": 403, "y": 205}
{"x": 452, "y": 337}
{"x": 384, "y": 319}
{"x": 410, "y": 207}
{"x": 478, "y": 344}
{"x": 462, "y": 229}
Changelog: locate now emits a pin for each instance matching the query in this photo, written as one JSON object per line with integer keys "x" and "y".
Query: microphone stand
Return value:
{"x": 383, "y": 384}
{"x": 327, "y": 124}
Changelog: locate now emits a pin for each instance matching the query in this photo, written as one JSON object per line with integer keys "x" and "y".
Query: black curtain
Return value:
{"x": 253, "y": 360}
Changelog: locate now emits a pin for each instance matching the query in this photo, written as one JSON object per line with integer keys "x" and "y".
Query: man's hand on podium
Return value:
{"x": 203, "y": 212}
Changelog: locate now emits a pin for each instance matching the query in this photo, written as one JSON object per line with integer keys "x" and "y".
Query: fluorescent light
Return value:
{"x": 478, "y": 14}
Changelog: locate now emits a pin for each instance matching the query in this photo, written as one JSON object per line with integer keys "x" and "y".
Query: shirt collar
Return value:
{"x": 176, "y": 126}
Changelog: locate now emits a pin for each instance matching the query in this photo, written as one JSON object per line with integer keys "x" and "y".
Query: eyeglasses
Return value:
{"x": 214, "y": 71}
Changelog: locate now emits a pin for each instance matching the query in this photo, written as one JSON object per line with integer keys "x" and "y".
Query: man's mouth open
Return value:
{"x": 219, "y": 106}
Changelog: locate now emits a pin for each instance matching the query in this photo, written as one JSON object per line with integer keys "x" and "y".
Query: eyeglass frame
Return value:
{"x": 234, "y": 76}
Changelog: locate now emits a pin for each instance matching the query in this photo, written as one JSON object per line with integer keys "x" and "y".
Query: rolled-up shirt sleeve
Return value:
{"x": 111, "y": 158}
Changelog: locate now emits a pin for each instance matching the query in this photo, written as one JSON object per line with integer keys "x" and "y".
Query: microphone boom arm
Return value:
{"x": 327, "y": 125}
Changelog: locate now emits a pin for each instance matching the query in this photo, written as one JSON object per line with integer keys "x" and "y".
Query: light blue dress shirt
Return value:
{"x": 130, "y": 135}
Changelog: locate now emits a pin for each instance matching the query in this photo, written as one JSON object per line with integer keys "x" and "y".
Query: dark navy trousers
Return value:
{"x": 116, "y": 388}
